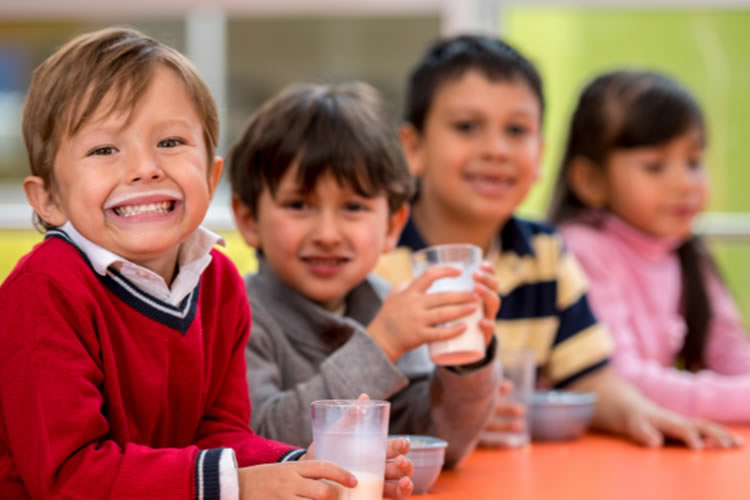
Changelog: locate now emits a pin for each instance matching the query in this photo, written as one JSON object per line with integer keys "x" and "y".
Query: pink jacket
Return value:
{"x": 635, "y": 291}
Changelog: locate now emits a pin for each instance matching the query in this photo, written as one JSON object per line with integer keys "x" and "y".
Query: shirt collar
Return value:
{"x": 193, "y": 257}
{"x": 513, "y": 237}
{"x": 649, "y": 246}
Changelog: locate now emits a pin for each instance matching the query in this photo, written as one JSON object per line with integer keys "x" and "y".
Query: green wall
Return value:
{"x": 708, "y": 51}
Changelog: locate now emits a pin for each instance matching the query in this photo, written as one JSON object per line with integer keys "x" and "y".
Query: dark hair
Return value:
{"x": 450, "y": 58}
{"x": 343, "y": 130}
{"x": 629, "y": 109}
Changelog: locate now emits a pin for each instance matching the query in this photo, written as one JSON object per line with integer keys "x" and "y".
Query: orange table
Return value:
{"x": 599, "y": 467}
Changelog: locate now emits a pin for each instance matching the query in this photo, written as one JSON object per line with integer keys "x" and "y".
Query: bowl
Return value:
{"x": 428, "y": 454}
{"x": 560, "y": 415}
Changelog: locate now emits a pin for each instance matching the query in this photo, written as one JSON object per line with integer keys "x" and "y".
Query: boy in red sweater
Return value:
{"x": 122, "y": 371}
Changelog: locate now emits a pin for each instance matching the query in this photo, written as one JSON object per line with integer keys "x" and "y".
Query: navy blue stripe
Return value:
{"x": 181, "y": 324}
{"x": 292, "y": 455}
{"x": 574, "y": 319}
{"x": 582, "y": 373}
{"x": 210, "y": 469}
{"x": 529, "y": 301}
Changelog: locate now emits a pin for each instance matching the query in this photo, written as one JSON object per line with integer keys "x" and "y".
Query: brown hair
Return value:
{"x": 343, "y": 130}
{"x": 632, "y": 109}
{"x": 68, "y": 88}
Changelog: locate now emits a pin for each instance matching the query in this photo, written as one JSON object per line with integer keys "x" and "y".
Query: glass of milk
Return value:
{"x": 469, "y": 346}
{"x": 353, "y": 434}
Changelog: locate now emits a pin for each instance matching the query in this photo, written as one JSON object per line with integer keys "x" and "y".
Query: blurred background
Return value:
{"x": 248, "y": 49}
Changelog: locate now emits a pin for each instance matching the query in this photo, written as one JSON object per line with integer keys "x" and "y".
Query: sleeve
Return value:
{"x": 451, "y": 403}
{"x": 706, "y": 394}
{"x": 581, "y": 343}
{"x": 51, "y": 404}
{"x": 227, "y": 422}
{"x": 282, "y": 411}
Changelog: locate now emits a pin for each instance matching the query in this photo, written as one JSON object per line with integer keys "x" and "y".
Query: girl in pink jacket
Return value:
{"x": 631, "y": 185}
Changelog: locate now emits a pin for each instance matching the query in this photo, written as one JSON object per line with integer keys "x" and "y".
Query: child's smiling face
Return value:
{"x": 322, "y": 242}
{"x": 479, "y": 152}
{"x": 136, "y": 184}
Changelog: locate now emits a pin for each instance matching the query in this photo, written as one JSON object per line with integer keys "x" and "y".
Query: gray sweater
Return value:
{"x": 299, "y": 352}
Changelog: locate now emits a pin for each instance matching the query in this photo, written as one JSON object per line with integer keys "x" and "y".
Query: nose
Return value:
{"x": 327, "y": 229}
{"x": 143, "y": 167}
{"x": 494, "y": 145}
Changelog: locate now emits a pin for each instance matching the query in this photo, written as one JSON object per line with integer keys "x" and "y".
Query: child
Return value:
{"x": 473, "y": 138}
{"x": 631, "y": 185}
{"x": 320, "y": 189}
{"x": 121, "y": 370}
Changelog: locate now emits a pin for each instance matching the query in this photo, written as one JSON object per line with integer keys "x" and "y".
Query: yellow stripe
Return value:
{"x": 571, "y": 282}
{"x": 513, "y": 270}
{"x": 395, "y": 267}
{"x": 584, "y": 349}
{"x": 536, "y": 334}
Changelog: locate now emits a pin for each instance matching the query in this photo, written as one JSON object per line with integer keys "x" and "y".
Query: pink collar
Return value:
{"x": 646, "y": 245}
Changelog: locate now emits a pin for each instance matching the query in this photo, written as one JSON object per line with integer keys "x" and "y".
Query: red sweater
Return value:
{"x": 107, "y": 392}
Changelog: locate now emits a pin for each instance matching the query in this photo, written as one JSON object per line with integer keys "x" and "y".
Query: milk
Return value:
{"x": 369, "y": 487}
{"x": 469, "y": 346}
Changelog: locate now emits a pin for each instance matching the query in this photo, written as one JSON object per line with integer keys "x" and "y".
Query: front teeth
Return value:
{"x": 147, "y": 208}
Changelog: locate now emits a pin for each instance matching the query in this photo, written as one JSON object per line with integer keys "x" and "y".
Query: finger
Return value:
{"x": 487, "y": 278}
{"x": 717, "y": 436}
{"x": 679, "y": 428}
{"x": 323, "y": 469}
{"x": 490, "y": 300}
{"x": 487, "y": 328}
{"x": 506, "y": 387}
{"x": 427, "y": 278}
{"x": 399, "y": 467}
{"x": 319, "y": 490}
{"x": 509, "y": 422}
{"x": 398, "y": 489}
{"x": 436, "y": 333}
{"x": 448, "y": 313}
{"x": 396, "y": 447}
{"x": 643, "y": 432}
{"x": 442, "y": 299}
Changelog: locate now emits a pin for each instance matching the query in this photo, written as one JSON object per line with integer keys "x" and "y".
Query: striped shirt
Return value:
{"x": 543, "y": 299}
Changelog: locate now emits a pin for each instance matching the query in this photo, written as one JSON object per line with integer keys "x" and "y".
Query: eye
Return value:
{"x": 102, "y": 151}
{"x": 653, "y": 167}
{"x": 355, "y": 206}
{"x": 466, "y": 126}
{"x": 171, "y": 142}
{"x": 695, "y": 163}
{"x": 517, "y": 130}
{"x": 295, "y": 204}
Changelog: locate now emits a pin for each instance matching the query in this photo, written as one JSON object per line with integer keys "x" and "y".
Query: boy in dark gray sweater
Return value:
{"x": 320, "y": 190}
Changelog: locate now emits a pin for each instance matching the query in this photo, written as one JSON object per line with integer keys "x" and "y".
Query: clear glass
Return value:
{"x": 518, "y": 366}
{"x": 469, "y": 346}
{"x": 354, "y": 435}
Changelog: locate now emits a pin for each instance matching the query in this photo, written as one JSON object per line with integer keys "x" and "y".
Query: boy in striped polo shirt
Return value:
{"x": 473, "y": 139}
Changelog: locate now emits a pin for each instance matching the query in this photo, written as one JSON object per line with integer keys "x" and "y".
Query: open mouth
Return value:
{"x": 161, "y": 207}
{"x": 325, "y": 261}
{"x": 490, "y": 182}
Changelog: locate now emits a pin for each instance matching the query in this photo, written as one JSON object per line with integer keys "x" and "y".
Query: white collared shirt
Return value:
{"x": 193, "y": 258}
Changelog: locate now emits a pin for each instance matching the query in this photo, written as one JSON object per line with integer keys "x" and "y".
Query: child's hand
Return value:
{"x": 486, "y": 286}
{"x": 398, "y": 470}
{"x": 508, "y": 416}
{"x": 651, "y": 424}
{"x": 293, "y": 480}
{"x": 410, "y": 317}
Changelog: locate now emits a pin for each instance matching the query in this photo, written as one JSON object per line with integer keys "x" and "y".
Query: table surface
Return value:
{"x": 599, "y": 467}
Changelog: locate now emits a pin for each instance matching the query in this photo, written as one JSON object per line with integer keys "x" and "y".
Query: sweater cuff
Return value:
{"x": 207, "y": 474}
{"x": 229, "y": 483}
{"x": 292, "y": 455}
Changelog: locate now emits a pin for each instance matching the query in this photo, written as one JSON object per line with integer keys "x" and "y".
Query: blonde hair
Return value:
{"x": 68, "y": 88}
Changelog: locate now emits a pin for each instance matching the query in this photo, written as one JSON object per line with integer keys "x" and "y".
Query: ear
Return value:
{"x": 246, "y": 223}
{"x": 540, "y": 149}
{"x": 396, "y": 223}
{"x": 587, "y": 182}
{"x": 412, "y": 145}
{"x": 43, "y": 202}
{"x": 214, "y": 175}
